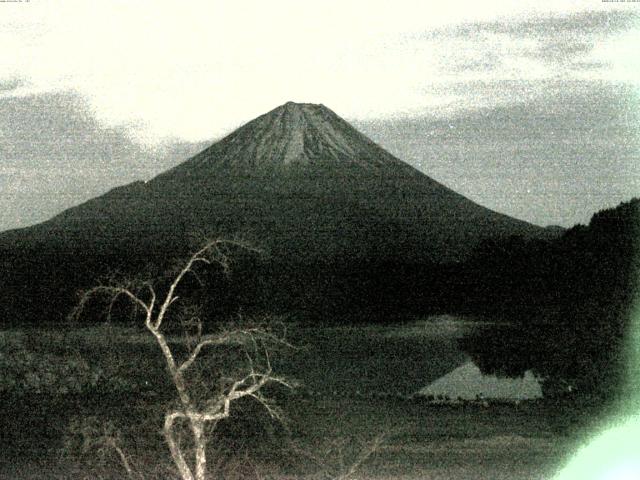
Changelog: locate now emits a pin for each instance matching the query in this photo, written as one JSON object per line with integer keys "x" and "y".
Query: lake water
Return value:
{"x": 397, "y": 360}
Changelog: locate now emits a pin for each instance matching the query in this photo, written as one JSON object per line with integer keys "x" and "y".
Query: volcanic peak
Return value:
{"x": 293, "y": 134}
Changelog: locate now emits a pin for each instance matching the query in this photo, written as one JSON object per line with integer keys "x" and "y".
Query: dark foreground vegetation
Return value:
{"x": 66, "y": 392}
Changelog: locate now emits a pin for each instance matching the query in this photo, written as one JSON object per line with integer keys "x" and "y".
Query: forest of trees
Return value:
{"x": 569, "y": 302}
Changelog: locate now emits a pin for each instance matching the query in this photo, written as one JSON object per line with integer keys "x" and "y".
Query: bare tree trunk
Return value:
{"x": 174, "y": 448}
{"x": 200, "y": 441}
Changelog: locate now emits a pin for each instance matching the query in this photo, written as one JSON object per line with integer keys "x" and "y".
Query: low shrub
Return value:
{"x": 42, "y": 368}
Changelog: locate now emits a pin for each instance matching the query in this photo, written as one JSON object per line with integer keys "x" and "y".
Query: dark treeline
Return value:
{"x": 42, "y": 283}
{"x": 568, "y": 303}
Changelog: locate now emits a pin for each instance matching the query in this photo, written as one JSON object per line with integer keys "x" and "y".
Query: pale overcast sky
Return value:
{"x": 528, "y": 107}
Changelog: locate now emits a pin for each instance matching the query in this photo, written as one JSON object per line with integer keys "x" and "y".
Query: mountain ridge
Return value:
{"x": 343, "y": 224}
{"x": 301, "y": 177}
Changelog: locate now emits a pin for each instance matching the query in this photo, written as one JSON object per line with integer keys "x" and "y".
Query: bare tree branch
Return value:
{"x": 114, "y": 292}
{"x": 364, "y": 455}
{"x": 333, "y": 462}
{"x": 223, "y": 338}
{"x": 203, "y": 255}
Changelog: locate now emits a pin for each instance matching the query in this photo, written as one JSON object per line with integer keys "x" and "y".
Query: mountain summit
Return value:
{"x": 293, "y": 133}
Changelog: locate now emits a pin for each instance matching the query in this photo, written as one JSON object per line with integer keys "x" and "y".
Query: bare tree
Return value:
{"x": 101, "y": 438}
{"x": 199, "y": 414}
{"x": 342, "y": 458}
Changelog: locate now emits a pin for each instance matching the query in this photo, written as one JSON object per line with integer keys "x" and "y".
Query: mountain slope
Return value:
{"x": 299, "y": 180}
{"x": 325, "y": 204}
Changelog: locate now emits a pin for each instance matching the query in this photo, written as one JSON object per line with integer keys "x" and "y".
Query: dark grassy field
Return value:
{"x": 356, "y": 383}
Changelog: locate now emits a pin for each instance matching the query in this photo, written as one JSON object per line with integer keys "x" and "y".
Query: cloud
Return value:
{"x": 200, "y": 69}
{"x": 559, "y": 43}
{"x": 55, "y": 154}
{"x": 565, "y": 152}
{"x": 10, "y": 84}
{"x": 588, "y": 23}
{"x": 568, "y": 39}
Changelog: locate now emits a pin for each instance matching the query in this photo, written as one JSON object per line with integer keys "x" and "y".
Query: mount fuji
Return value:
{"x": 299, "y": 182}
